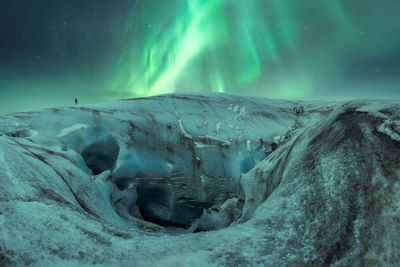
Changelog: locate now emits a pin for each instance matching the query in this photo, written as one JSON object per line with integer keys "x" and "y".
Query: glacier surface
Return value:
{"x": 201, "y": 179}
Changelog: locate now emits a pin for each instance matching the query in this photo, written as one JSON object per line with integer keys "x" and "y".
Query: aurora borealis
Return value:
{"x": 103, "y": 50}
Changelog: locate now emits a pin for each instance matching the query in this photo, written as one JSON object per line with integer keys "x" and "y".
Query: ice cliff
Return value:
{"x": 201, "y": 179}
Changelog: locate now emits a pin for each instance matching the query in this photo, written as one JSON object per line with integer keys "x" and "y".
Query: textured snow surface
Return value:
{"x": 201, "y": 180}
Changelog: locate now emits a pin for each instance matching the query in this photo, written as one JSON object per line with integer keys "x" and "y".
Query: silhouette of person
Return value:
{"x": 76, "y": 101}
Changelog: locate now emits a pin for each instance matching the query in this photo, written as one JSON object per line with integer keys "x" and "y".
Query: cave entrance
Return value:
{"x": 159, "y": 204}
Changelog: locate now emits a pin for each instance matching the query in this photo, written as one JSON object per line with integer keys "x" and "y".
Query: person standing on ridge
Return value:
{"x": 76, "y": 101}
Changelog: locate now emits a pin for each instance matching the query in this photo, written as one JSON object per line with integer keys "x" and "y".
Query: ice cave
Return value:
{"x": 182, "y": 179}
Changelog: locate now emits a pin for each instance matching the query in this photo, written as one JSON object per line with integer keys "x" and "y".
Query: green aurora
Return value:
{"x": 271, "y": 48}
{"x": 54, "y": 51}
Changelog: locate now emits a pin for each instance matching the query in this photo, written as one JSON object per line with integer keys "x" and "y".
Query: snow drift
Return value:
{"x": 201, "y": 179}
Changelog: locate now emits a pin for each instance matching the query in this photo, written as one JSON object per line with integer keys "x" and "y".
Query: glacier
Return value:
{"x": 201, "y": 179}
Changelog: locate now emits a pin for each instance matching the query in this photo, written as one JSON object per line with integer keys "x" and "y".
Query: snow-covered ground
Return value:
{"x": 195, "y": 180}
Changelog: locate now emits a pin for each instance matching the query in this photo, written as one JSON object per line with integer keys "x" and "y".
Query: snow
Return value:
{"x": 218, "y": 126}
{"x": 213, "y": 138}
{"x": 391, "y": 129}
{"x": 269, "y": 183}
{"x": 242, "y": 112}
{"x": 248, "y": 143}
{"x": 74, "y": 127}
{"x": 185, "y": 133}
{"x": 202, "y": 145}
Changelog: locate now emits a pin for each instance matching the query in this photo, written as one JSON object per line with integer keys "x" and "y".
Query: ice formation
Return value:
{"x": 201, "y": 179}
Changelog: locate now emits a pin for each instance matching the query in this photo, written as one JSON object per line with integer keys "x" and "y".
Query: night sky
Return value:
{"x": 98, "y": 50}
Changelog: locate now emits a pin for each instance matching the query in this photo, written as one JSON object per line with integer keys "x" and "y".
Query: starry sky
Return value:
{"x": 99, "y": 50}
